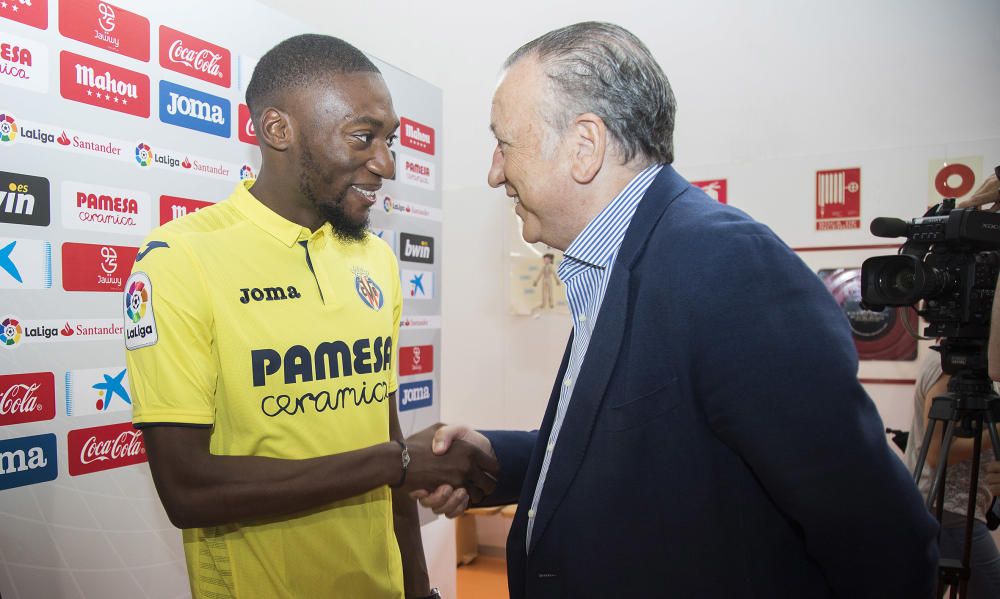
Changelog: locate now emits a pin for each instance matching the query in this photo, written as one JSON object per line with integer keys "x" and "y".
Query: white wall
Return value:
{"x": 762, "y": 87}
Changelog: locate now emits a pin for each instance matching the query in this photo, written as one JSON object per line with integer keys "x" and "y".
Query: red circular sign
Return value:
{"x": 964, "y": 172}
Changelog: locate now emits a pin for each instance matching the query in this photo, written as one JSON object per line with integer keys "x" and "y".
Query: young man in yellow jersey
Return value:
{"x": 262, "y": 333}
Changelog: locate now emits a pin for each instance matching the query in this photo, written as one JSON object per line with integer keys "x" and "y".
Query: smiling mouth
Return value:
{"x": 368, "y": 195}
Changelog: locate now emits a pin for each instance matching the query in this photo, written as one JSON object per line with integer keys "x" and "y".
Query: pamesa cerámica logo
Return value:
{"x": 192, "y": 109}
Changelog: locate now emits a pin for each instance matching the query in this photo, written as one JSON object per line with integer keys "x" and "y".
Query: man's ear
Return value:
{"x": 589, "y": 147}
{"x": 276, "y": 129}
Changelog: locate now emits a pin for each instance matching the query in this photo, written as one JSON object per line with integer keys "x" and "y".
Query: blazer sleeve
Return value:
{"x": 777, "y": 379}
{"x": 513, "y": 450}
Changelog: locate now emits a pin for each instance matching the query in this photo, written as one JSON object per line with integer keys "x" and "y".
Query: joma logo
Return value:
{"x": 268, "y": 294}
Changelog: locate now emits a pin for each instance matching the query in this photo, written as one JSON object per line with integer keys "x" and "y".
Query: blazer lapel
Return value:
{"x": 599, "y": 362}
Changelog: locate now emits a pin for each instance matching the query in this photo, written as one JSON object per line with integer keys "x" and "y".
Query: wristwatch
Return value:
{"x": 435, "y": 594}
{"x": 405, "y": 459}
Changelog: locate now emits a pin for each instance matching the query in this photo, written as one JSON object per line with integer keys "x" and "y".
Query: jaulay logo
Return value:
{"x": 413, "y": 396}
{"x": 27, "y": 461}
{"x": 416, "y": 136}
{"x": 28, "y": 397}
{"x": 106, "y": 26}
{"x": 92, "y": 267}
{"x": 416, "y": 359}
{"x": 192, "y": 109}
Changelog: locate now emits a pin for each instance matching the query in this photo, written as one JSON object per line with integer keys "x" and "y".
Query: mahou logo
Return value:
{"x": 246, "y": 132}
{"x": 416, "y": 136}
{"x": 97, "y": 83}
{"x": 106, "y": 26}
{"x": 92, "y": 267}
{"x": 29, "y": 397}
{"x": 172, "y": 207}
{"x": 30, "y": 12}
{"x": 104, "y": 447}
{"x": 194, "y": 57}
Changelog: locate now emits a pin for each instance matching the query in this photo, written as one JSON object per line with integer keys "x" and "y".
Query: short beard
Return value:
{"x": 333, "y": 211}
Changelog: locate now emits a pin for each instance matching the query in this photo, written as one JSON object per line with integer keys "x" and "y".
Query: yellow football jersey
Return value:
{"x": 283, "y": 341}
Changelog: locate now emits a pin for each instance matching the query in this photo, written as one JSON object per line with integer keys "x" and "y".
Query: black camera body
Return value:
{"x": 950, "y": 262}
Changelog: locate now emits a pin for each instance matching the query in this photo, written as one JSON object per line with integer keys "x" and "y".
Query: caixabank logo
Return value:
{"x": 24, "y": 63}
{"x": 24, "y": 199}
{"x": 25, "y": 264}
{"x": 104, "y": 85}
{"x": 27, "y": 461}
{"x": 189, "y": 108}
{"x": 97, "y": 391}
{"x": 105, "y": 26}
{"x": 413, "y": 396}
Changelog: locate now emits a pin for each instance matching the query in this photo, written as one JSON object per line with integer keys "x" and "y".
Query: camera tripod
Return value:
{"x": 969, "y": 406}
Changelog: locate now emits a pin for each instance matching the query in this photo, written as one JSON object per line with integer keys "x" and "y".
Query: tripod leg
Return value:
{"x": 938, "y": 480}
{"x": 922, "y": 456}
{"x": 993, "y": 515}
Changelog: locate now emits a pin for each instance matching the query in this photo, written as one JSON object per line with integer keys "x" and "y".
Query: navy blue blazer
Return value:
{"x": 718, "y": 442}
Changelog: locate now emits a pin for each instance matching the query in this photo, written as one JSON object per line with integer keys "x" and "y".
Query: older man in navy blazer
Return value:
{"x": 706, "y": 435}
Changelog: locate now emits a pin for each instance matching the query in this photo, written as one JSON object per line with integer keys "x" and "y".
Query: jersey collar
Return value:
{"x": 278, "y": 226}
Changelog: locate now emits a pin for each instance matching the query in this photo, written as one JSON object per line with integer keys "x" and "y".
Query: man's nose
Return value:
{"x": 495, "y": 177}
{"x": 382, "y": 163}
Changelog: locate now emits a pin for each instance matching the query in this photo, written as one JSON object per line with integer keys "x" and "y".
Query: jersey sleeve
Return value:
{"x": 168, "y": 337}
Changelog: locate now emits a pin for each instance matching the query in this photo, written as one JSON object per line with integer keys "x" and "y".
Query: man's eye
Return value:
{"x": 391, "y": 140}
{"x": 366, "y": 138}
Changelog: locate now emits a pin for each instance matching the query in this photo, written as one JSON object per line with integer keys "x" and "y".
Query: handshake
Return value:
{"x": 449, "y": 466}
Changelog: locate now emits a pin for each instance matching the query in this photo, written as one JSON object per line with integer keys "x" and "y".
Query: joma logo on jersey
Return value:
{"x": 268, "y": 294}
{"x": 330, "y": 359}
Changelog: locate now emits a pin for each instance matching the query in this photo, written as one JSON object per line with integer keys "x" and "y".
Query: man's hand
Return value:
{"x": 452, "y": 462}
{"x": 446, "y": 499}
{"x": 988, "y": 193}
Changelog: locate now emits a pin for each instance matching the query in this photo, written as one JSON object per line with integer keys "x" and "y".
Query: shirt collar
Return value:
{"x": 278, "y": 226}
{"x": 602, "y": 237}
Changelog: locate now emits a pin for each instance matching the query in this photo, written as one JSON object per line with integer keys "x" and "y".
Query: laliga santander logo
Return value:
{"x": 63, "y": 139}
{"x": 246, "y": 173}
{"x": 143, "y": 155}
{"x": 10, "y": 331}
{"x": 8, "y": 128}
{"x": 387, "y": 204}
{"x": 136, "y": 299}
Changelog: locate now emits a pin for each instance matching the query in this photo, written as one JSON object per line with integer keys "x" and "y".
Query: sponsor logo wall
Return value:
{"x": 115, "y": 120}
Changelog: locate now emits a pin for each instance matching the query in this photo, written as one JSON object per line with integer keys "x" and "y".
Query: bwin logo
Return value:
{"x": 267, "y": 294}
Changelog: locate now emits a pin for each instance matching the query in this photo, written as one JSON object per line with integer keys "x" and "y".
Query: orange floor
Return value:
{"x": 484, "y": 578}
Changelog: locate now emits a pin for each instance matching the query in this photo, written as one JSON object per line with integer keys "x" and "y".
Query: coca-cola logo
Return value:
{"x": 28, "y": 397}
{"x": 127, "y": 444}
{"x": 203, "y": 60}
{"x": 105, "y": 447}
{"x": 194, "y": 57}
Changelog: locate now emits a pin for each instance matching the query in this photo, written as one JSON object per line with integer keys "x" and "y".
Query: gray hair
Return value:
{"x": 605, "y": 69}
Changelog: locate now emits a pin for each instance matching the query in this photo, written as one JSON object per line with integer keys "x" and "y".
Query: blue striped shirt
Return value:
{"x": 586, "y": 270}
